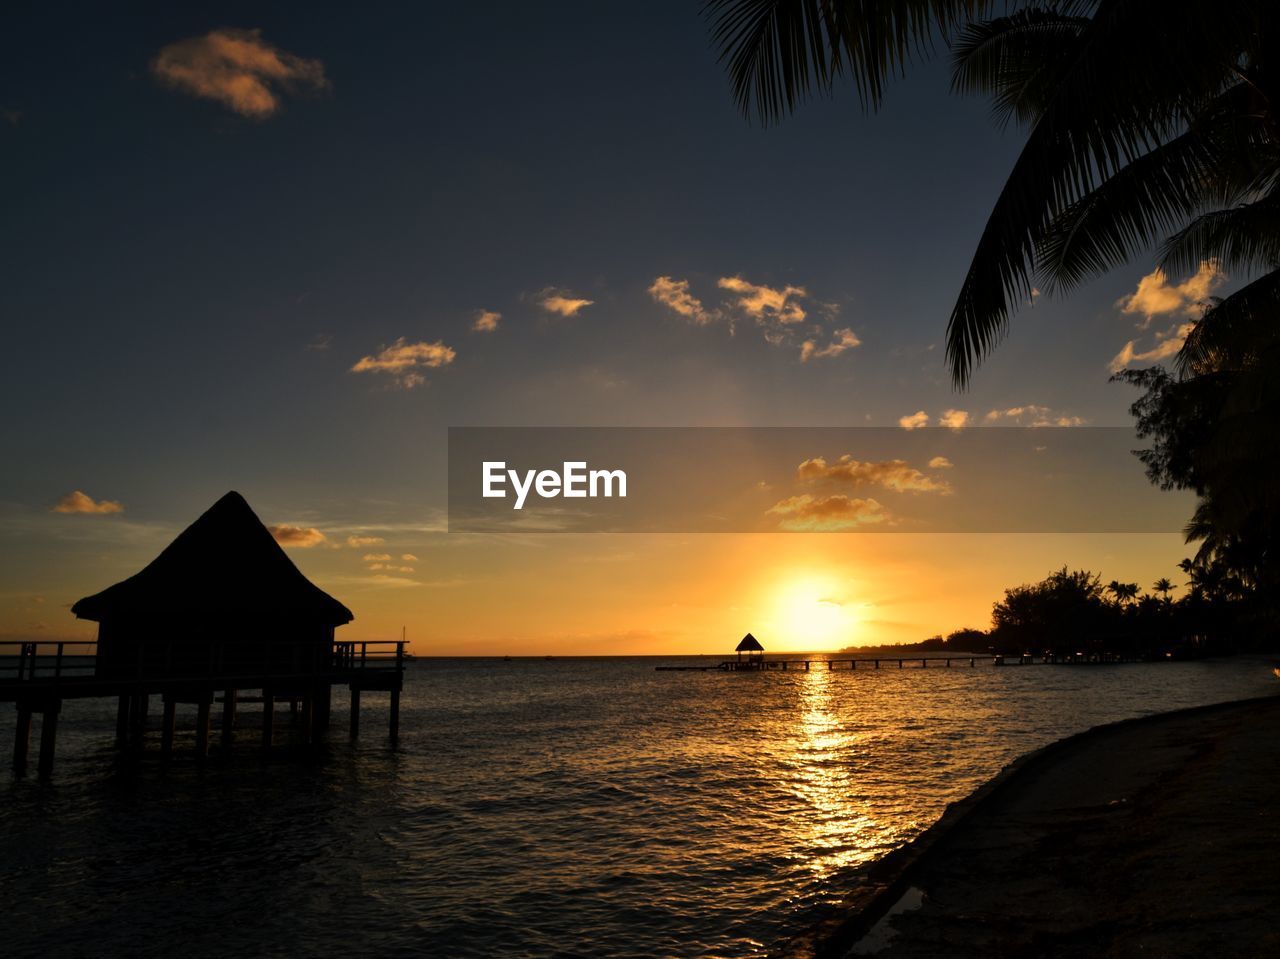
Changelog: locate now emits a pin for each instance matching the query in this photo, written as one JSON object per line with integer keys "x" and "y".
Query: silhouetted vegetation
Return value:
{"x": 1070, "y": 613}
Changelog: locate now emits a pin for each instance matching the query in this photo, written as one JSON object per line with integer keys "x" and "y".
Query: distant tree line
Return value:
{"x": 1072, "y": 613}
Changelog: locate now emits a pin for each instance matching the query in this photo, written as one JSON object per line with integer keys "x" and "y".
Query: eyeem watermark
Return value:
{"x": 574, "y": 481}
{"x": 988, "y": 479}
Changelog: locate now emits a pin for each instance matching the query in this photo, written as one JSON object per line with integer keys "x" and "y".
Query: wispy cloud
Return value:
{"x": 297, "y": 537}
{"x": 898, "y": 476}
{"x": 841, "y": 340}
{"x": 389, "y": 568}
{"x": 766, "y": 302}
{"x": 403, "y": 361}
{"x": 940, "y": 463}
{"x": 807, "y": 513}
{"x": 78, "y": 501}
{"x": 360, "y": 542}
{"x": 1167, "y": 344}
{"x": 321, "y": 341}
{"x": 1032, "y": 415}
{"x": 954, "y": 419}
{"x": 485, "y": 321}
{"x": 780, "y": 312}
{"x": 675, "y": 296}
{"x": 1156, "y": 296}
{"x": 237, "y": 69}
{"x": 914, "y": 421}
{"x": 561, "y": 302}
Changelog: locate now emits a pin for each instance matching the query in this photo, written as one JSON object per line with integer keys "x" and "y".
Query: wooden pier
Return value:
{"x": 39, "y": 677}
{"x": 854, "y": 663}
{"x": 765, "y": 665}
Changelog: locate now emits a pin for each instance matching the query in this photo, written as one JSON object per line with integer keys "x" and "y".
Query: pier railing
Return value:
{"x": 61, "y": 666}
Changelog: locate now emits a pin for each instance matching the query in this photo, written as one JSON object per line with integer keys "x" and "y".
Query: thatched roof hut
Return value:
{"x": 225, "y": 566}
{"x": 751, "y": 646}
{"x": 223, "y": 592}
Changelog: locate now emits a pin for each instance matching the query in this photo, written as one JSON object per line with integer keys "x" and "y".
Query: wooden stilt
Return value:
{"x": 49, "y": 737}
{"x": 323, "y": 707}
{"x": 393, "y": 721}
{"x": 122, "y": 720}
{"x": 268, "y": 718}
{"x": 166, "y": 727}
{"x": 228, "y": 718}
{"x": 22, "y": 738}
{"x": 308, "y": 717}
{"x": 202, "y": 728}
{"x": 138, "y": 719}
{"x": 355, "y": 711}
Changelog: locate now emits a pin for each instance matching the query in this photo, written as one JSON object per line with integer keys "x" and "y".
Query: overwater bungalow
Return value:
{"x": 222, "y": 609}
{"x": 221, "y": 597}
{"x": 755, "y": 653}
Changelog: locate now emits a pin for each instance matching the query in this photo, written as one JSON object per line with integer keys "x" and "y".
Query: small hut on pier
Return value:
{"x": 221, "y": 599}
{"x": 755, "y": 652}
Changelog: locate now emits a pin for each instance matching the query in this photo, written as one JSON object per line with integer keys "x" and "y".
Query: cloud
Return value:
{"x": 842, "y": 340}
{"x": 1167, "y": 344}
{"x": 914, "y": 420}
{"x": 1155, "y": 296}
{"x": 389, "y": 567}
{"x": 402, "y": 361}
{"x": 485, "y": 321}
{"x": 238, "y": 69}
{"x": 955, "y": 419}
{"x": 896, "y": 475}
{"x": 321, "y": 341}
{"x": 409, "y": 558}
{"x": 1033, "y": 415}
{"x": 10, "y": 116}
{"x": 940, "y": 463}
{"x": 300, "y": 537}
{"x": 359, "y": 542}
{"x": 806, "y": 513}
{"x": 80, "y": 502}
{"x": 764, "y": 302}
{"x": 376, "y": 557}
{"x": 675, "y": 296}
{"x": 561, "y": 302}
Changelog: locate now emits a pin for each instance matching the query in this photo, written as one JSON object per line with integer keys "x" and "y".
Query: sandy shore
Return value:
{"x": 1153, "y": 837}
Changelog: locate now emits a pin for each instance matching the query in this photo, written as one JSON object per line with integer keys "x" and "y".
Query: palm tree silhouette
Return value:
{"x": 1129, "y": 141}
{"x": 1163, "y": 587}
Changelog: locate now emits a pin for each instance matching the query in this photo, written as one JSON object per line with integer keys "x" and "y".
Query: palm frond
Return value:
{"x": 1243, "y": 239}
{"x": 1015, "y": 59}
{"x": 1234, "y": 330}
{"x": 1138, "y": 71}
{"x": 780, "y": 51}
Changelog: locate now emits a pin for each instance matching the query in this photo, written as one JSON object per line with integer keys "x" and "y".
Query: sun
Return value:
{"x": 809, "y": 612}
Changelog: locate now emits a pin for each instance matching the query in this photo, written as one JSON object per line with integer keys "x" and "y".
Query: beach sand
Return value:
{"x": 1153, "y": 837}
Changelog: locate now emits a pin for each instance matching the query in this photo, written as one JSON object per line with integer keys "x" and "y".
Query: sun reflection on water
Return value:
{"x": 837, "y": 835}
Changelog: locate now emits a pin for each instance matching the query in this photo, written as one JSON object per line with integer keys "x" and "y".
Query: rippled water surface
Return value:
{"x": 588, "y": 807}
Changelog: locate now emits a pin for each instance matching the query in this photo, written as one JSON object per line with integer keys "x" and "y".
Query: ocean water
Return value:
{"x": 571, "y": 807}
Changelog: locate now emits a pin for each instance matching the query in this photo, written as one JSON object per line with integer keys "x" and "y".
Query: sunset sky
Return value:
{"x": 281, "y": 248}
